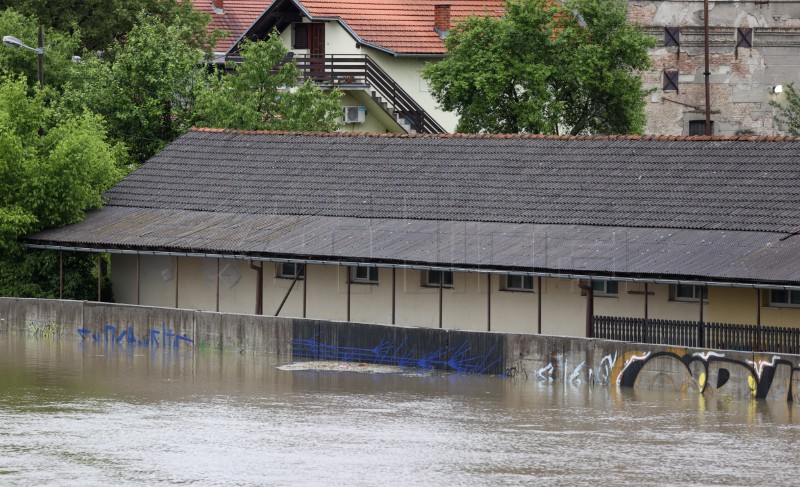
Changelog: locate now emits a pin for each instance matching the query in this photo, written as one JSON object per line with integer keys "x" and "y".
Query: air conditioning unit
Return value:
{"x": 354, "y": 114}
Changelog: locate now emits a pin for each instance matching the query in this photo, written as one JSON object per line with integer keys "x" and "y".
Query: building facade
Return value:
{"x": 522, "y": 234}
{"x": 753, "y": 48}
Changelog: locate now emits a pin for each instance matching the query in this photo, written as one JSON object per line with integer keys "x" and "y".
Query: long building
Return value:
{"x": 528, "y": 234}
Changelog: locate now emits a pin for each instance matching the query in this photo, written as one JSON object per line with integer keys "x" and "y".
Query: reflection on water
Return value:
{"x": 83, "y": 413}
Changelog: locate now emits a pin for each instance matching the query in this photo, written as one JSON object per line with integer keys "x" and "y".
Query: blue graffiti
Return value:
{"x": 388, "y": 353}
{"x": 156, "y": 338}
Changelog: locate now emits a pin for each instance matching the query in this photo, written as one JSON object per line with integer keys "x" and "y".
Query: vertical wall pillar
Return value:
{"x": 259, "y": 287}
{"x": 758, "y": 320}
{"x": 60, "y": 274}
{"x": 489, "y": 302}
{"x": 99, "y": 279}
{"x": 701, "y": 326}
{"x": 217, "y": 305}
{"x": 177, "y": 275}
{"x": 538, "y": 291}
{"x": 305, "y": 287}
{"x": 348, "y": 270}
{"x": 441, "y": 282}
{"x": 394, "y": 293}
{"x": 646, "y": 314}
{"x": 138, "y": 279}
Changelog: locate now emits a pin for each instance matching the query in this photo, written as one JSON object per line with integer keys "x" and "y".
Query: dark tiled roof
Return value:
{"x": 745, "y": 184}
{"x": 733, "y": 256}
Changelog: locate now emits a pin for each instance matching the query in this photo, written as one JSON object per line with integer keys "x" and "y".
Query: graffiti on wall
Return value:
{"x": 709, "y": 373}
{"x": 155, "y": 338}
{"x": 44, "y": 328}
{"x": 388, "y": 352}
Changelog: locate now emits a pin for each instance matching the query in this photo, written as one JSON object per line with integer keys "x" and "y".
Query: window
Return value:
{"x": 744, "y": 37}
{"x": 672, "y": 36}
{"x": 364, "y": 275}
{"x": 518, "y": 283}
{"x": 434, "y": 278}
{"x": 670, "y": 80}
{"x": 289, "y": 271}
{"x": 688, "y": 292}
{"x": 300, "y": 36}
{"x": 608, "y": 288}
{"x": 781, "y": 297}
{"x": 698, "y": 127}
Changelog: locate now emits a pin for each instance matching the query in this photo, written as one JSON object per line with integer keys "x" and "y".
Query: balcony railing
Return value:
{"x": 333, "y": 70}
{"x": 724, "y": 336}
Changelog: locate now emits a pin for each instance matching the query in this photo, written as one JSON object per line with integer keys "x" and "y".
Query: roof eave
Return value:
{"x": 322, "y": 260}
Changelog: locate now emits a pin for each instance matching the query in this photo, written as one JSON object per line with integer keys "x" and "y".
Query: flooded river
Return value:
{"x": 84, "y": 414}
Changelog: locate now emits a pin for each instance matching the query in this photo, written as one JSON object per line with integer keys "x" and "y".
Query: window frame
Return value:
{"x": 355, "y": 279}
{"x": 522, "y": 288}
{"x": 670, "y": 81}
{"x": 703, "y": 291}
{"x": 699, "y": 123}
{"x": 306, "y": 44}
{"x": 604, "y": 289}
{"x": 426, "y": 279}
{"x": 280, "y": 271}
{"x": 788, "y": 303}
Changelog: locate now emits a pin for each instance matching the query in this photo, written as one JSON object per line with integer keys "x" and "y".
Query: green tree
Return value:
{"x": 789, "y": 114}
{"x": 52, "y": 170}
{"x": 144, "y": 87}
{"x": 545, "y": 68}
{"x": 99, "y": 23}
{"x": 263, "y": 94}
{"x": 58, "y": 51}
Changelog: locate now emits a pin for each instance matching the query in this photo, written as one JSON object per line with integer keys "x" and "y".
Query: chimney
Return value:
{"x": 441, "y": 19}
{"x": 218, "y": 6}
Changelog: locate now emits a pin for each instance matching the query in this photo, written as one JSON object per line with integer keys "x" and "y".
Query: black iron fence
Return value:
{"x": 697, "y": 334}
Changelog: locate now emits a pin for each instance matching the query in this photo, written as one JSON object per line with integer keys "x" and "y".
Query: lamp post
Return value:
{"x": 12, "y": 41}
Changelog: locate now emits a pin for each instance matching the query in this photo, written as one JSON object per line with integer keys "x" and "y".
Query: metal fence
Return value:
{"x": 725, "y": 336}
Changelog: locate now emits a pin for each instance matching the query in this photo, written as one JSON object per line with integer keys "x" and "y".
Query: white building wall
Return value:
{"x": 464, "y": 306}
{"x": 404, "y": 70}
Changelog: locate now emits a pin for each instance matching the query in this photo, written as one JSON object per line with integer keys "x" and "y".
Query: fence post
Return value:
{"x": 701, "y": 342}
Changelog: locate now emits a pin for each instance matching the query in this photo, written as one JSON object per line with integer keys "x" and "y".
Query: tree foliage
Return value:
{"x": 58, "y": 51}
{"x": 143, "y": 87}
{"x": 789, "y": 114}
{"x": 545, "y": 68}
{"x": 99, "y": 23}
{"x": 52, "y": 170}
{"x": 262, "y": 94}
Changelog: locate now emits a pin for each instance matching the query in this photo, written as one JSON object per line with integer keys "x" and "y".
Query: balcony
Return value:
{"x": 362, "y": 72}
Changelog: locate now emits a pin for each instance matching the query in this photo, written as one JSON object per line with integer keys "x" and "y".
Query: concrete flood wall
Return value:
{"x": 532, "y": 357}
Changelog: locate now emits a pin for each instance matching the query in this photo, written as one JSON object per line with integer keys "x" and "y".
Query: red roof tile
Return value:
{"x": 401, "y": 26}
{"x": 238, "y": 17}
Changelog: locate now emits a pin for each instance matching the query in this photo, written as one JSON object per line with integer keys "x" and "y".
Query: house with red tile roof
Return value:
{"x": 373, "y": 51}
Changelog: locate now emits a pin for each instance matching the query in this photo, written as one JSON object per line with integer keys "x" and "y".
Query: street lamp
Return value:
{"x": 12, "y": 41}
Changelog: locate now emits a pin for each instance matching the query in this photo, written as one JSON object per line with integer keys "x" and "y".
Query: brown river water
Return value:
{"x": 96, "y": 414}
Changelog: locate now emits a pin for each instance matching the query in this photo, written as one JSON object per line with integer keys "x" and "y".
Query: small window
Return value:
{"x": 670, "y": 80}
{"x": 364, "y": 275}
{"x": 289, "y": 271}
{"x": 608, "y": 288}
{"x": 672, "y": 36}
{"x": 744, "y": 37}
{"x": 688, "y": 292}
{"x": 516, "y": 282}
{"x": 782, "y": 297}
{"x": 300, "y": 36}
{"x": 439, "y": 278}
{"x": 698, "y": 127}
